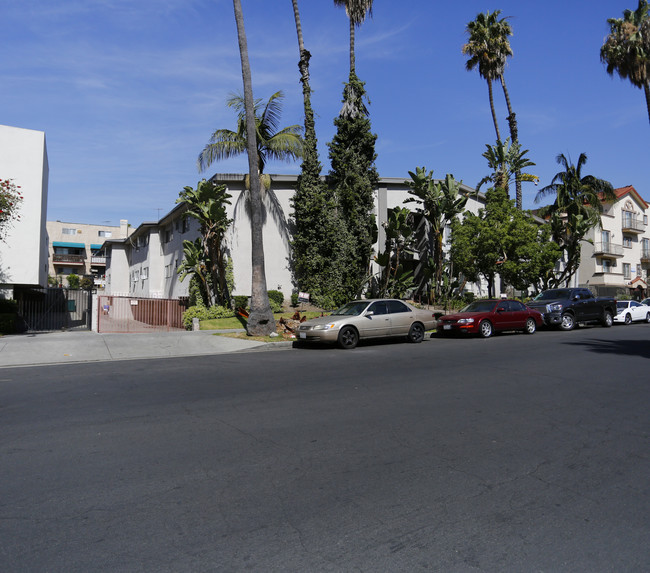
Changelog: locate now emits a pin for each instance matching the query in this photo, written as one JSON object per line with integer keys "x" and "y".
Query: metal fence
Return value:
{"x": 52, "y": 308}
{"x": 133, "y": 314}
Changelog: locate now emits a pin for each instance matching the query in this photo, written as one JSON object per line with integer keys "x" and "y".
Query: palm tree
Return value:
{"x": 440, "y": 203}
{"x": 273, "y": 143}
{"x": 207, "y": 204}
{"x": 506, "y": 161}
{"x": 260, "y": 319}
{"x": 357, "y": 11}
{"x": 488, "y": 48}
{"x": 576, "y": 210}
{"x": 627, "y": 48}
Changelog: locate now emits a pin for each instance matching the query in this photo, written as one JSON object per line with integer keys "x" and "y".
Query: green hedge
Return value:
{"x": 203, "y": 313}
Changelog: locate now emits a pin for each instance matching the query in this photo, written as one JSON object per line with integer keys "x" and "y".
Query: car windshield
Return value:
{"x": 622, "y": 304}
{"x": 554, "y": 294}
{"x": 352, "y": 308}
{"x": 479, "y": 306}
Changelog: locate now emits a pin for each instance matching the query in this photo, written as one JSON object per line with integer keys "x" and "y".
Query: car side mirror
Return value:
{"x": 370, "y": 313}
{"x": 501, "y": 309}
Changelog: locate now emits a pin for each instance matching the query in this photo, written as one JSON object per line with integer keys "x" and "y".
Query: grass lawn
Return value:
{"x": 238, "y": 322}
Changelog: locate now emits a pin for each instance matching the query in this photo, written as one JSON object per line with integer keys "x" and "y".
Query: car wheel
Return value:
{"x": 628, "y": 318}
{"x": 567, "y": 322}
{"x": 608, "y": 319}
{"x": 485, "y": 329}
{"x": 348, "y": 338}
{"x": 647, "y": 317}
{"x": 416, "y": 333}
{"x": 531, "y": 326}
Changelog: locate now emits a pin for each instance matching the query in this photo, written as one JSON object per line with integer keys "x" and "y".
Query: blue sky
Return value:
{"x": 128, "y": 92}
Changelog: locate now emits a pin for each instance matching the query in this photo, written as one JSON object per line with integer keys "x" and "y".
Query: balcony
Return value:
{"x": 69, "y": 259}
{"x": 645, "y": 256}
{"x": 101, "y": 261}
{"x": 611, "y": 250}
{"x": 632, "y": 225}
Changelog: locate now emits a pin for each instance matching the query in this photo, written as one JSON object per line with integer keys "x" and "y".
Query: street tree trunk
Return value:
{"x": 260, "y": 320}
{"x": 514, "y": 137}
{"x": 494, "y": 115}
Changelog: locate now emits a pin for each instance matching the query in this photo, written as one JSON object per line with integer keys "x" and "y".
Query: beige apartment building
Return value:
{"x": 73, "y": 249}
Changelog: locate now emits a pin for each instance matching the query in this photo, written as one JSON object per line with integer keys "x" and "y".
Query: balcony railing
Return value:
{"x": 633, "y": 226}
{"x": 645, "y": 256}
{"x": 608, "y": 249}
{"x": 69, "y": 259}
{"x": 97, "y": 260}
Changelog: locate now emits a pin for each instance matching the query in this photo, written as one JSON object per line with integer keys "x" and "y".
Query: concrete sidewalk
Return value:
{"x": 86, "y": 346}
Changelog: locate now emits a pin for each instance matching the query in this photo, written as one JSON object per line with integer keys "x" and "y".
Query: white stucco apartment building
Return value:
{"x": 23, "y": 253}
{"x": 618, "y": 259}
{"x": 145, "y": 264}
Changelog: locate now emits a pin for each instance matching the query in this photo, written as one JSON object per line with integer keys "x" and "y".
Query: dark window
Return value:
{"x": 395, "y": 306}
{"x": 378, "y": 308}
{"x": 516, "y": 305}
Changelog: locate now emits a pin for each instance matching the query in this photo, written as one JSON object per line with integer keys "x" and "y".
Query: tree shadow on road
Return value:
{"x": 622, "y": 347}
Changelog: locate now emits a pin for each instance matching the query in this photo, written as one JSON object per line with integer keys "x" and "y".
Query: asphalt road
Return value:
{"x": 517, "y": 453}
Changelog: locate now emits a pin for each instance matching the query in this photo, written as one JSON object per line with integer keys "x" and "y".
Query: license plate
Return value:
{"x": 446, "y": 327}
{"x": 303, "y": 335}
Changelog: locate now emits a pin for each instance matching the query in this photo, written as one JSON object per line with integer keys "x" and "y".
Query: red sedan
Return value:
{"x": 485, "y": 317}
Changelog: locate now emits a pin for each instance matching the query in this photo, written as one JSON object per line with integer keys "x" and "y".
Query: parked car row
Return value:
{"x": 380, "y": 318}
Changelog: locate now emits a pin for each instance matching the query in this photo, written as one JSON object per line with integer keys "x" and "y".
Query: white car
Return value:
{"x": 628, "y": 311}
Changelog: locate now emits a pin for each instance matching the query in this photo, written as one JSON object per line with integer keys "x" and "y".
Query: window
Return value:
{"x": 145, "y": 273}
{"x": 104, "y": 234}
{"x": 607, "y": 265}
{"x": 638, "y": 270}
{"x": 168, "y": 271}
{"x": 69, "y": 231}
{"x": 142, "y": 241}
{"x": 378, "y": 308}
{"x": 169, "y": 234}
{"x": 627, "y": 218}
{"x": 626, "y": 270}
{"x": 136, "y": 276}
{"x": 645, "y": 219}
{"x": 397, "y": 306}
{"x": 627, "y": 242}
{"x": 186, "y": 224}
{"x": 604, "y": 237}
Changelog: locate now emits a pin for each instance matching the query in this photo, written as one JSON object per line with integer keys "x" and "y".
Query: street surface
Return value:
{"x": 516, "y": 453}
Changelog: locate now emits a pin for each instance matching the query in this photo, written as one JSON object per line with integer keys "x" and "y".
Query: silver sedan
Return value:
{"x": 372, "y": 318}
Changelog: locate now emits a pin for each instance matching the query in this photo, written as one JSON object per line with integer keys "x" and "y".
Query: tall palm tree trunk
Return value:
{"x": 303, "y": 66}
{"x": 260, "y": 320}
{"x": 514, "y": 137}
{"x": 646, "y": 89}
{"x": 352, "y": 58}
{"x": 494, "y": 115}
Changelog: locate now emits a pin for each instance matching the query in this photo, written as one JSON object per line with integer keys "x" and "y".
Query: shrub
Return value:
{"x": 294, "y": 299}
{"x": 277, "y": 297}
{"x": 8, "y": 306}
{"x": 241, "y": 301}
{"x": 87, "y": 283}
{"x": 73, "y": 281}
{"x": 203, "y": 313}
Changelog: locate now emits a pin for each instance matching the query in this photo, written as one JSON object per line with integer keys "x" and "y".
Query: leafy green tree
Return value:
{"x": 208, "y": 205}
{"x": 440, "y": 203}
{"x": 73, "y": 281}
{"x": 502, "y": 240}
{"x": 506, "y": 162}
{"x": 394, "y": 279}
{"x": 576, "y": 210}
{"x": 316, "y": 226}
{"x": 626, "y": 49}
{"x": 354, "y": 177}
{"x": 10, "y": 200}
{"x": 260, "y": 319}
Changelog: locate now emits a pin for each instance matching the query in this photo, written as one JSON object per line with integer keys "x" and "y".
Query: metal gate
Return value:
{"x": 133, "y": 314}
{"x": 52, "y": 308}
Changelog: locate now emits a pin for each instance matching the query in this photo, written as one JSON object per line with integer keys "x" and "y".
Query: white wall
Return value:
{"x": 23, "y": 254}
